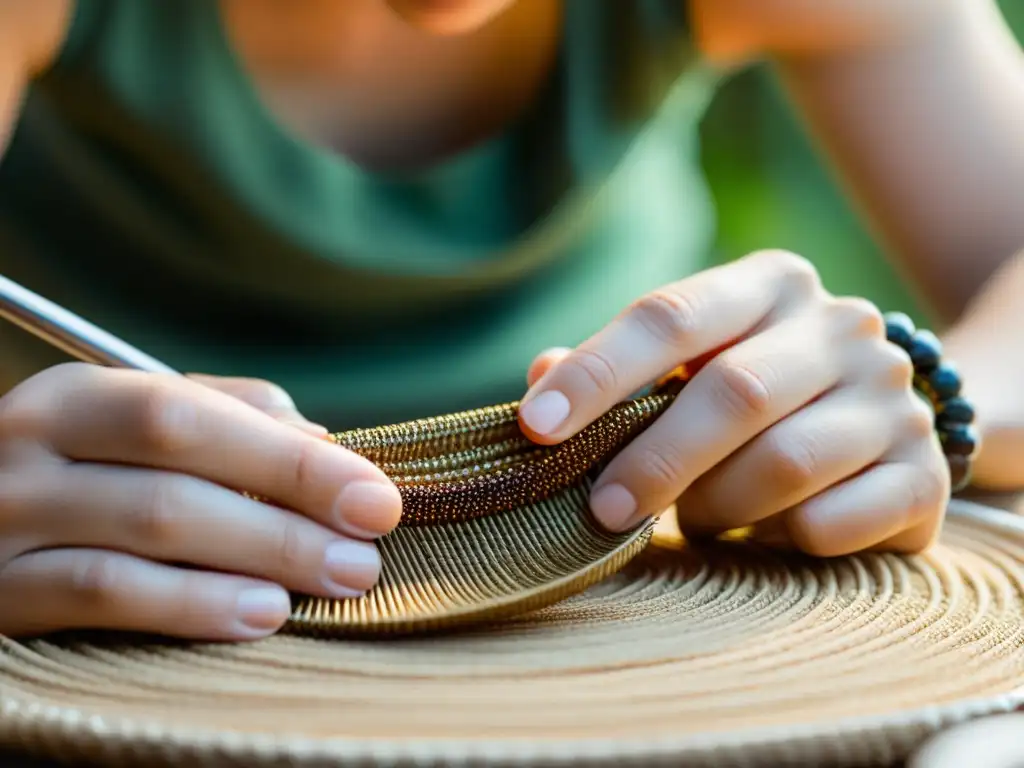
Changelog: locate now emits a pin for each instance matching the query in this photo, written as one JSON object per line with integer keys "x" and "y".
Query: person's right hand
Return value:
{"x": 119, "y": 506}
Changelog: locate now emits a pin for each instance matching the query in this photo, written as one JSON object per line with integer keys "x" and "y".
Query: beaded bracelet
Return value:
{"x": 939, "y": 382}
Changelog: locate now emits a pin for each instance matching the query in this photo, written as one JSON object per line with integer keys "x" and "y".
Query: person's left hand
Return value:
{"x": 800, "y": 421}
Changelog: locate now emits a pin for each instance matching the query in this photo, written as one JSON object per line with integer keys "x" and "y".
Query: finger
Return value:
{"x": 732, "y": 399}
{"x": 897, "y": 505}
{"x": 62, "y": 589}
{"x": 772, "y": 532}
{"x": 264, "y": 396}
{"x": 177, "y": 518}
{"x": 883, "y": 504}
{"x": 919, "y": 536}
{"x": 816, "y": 447}
{"x": 171, "y": 423}
{"x": 664, "y": 329}
{"x": 543, "y": 362}
{"x": 993, "y": 742}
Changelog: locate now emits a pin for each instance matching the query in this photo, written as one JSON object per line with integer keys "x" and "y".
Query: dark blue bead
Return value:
{"x": 945, "y": 381}
{"x": 899, "y": 329}
{"x": 959, "y": 473}
{"x": 960, "y": 440}
{"x": 925, "y": 351}
{"x": 956, "y": 410}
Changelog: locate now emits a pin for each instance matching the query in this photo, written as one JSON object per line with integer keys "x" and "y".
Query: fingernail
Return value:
{"x": 263, "y": 609}
{"x": 352, "y": 567}
{"x": 546, "y": 412}
{"x": 368, "y": 508}
{"x": 614, "y": 507}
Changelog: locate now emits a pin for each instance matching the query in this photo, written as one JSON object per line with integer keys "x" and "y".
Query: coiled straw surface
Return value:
{"x": 729, "y": 655}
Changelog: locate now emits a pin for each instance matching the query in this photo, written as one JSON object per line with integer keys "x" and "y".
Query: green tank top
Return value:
{"x": 147, "y": 189}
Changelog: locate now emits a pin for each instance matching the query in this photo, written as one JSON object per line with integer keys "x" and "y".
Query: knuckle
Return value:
{"x": 290, "y": 549}
{"x": 858, "y": 317}
{"x": 919, "y": 421}
{"x": 264, "y": 394}
{"x": 157, "y": 518}
{"x": 273, "y": 394}
{"x": 95, "y": 578}
{"x": 894, "y": 366}
{"x": 661, "y": 466}
{"x": 597, "y": 369}
{"x": 167, "y": 420}
{"x": 301, "y": 467}
{"x": 743, "y": 392}
{"x": 792, "y": 466}
{"x": 668, "y": 314}
{"x": 797, "y": 272}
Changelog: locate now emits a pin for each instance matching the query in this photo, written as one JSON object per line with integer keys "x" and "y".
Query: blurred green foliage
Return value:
{"x": 772, "y": 190}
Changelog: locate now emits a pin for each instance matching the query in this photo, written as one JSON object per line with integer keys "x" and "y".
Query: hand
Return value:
{"x": 117, "y": 509}
{"x": 801, "y": 422}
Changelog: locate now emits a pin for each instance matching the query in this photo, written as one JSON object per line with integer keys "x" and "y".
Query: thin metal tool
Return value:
{"x": 69, "y": 332}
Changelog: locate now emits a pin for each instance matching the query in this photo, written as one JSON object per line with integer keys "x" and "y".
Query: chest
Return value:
{"x": 351, "y": 76}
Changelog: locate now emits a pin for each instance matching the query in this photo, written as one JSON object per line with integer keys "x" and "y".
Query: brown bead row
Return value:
{"x": 475, "y": 479}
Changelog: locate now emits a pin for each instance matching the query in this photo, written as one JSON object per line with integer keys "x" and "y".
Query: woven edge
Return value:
{"x": 850, "y": 742}
{"x": 513, "y": 605}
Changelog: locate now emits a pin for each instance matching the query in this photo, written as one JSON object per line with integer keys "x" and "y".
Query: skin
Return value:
{"x": 992, "y": 741}
{"x": 800, "y": 420}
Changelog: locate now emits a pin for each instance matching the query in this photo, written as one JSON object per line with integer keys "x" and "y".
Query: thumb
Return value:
{"x": 264, "y": 396}
{"x": 543, "y": 362}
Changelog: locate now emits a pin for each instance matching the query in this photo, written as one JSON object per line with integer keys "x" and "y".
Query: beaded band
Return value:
{"x": 939, "y": 381}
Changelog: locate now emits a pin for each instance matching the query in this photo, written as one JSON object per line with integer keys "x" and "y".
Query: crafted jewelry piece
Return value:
{"x": 939, "y": 382}
{"x": 493, "y": 525}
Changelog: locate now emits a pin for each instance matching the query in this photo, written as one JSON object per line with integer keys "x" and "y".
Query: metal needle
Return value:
{"x": 69, "y": 332}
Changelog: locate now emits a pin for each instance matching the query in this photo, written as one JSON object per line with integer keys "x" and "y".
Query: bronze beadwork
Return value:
{"x": 463, "y": 466}
{"x": 493, "y": 525}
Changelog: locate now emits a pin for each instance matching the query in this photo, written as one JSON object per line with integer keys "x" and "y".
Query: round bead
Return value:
{"x": 960, "y": 440}
{"x": 959, "y": 472}
{"x": 945, "y": 381}
{"x": 899, "y": 329}
{"x": 940, "y": 384}
{"x": 944, "y": 424}
{"x": 925, "y": 352}
{"x": 955, "y": 410}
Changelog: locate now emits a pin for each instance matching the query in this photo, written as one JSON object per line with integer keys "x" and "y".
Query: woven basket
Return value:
{"x": 729, "y": 655}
